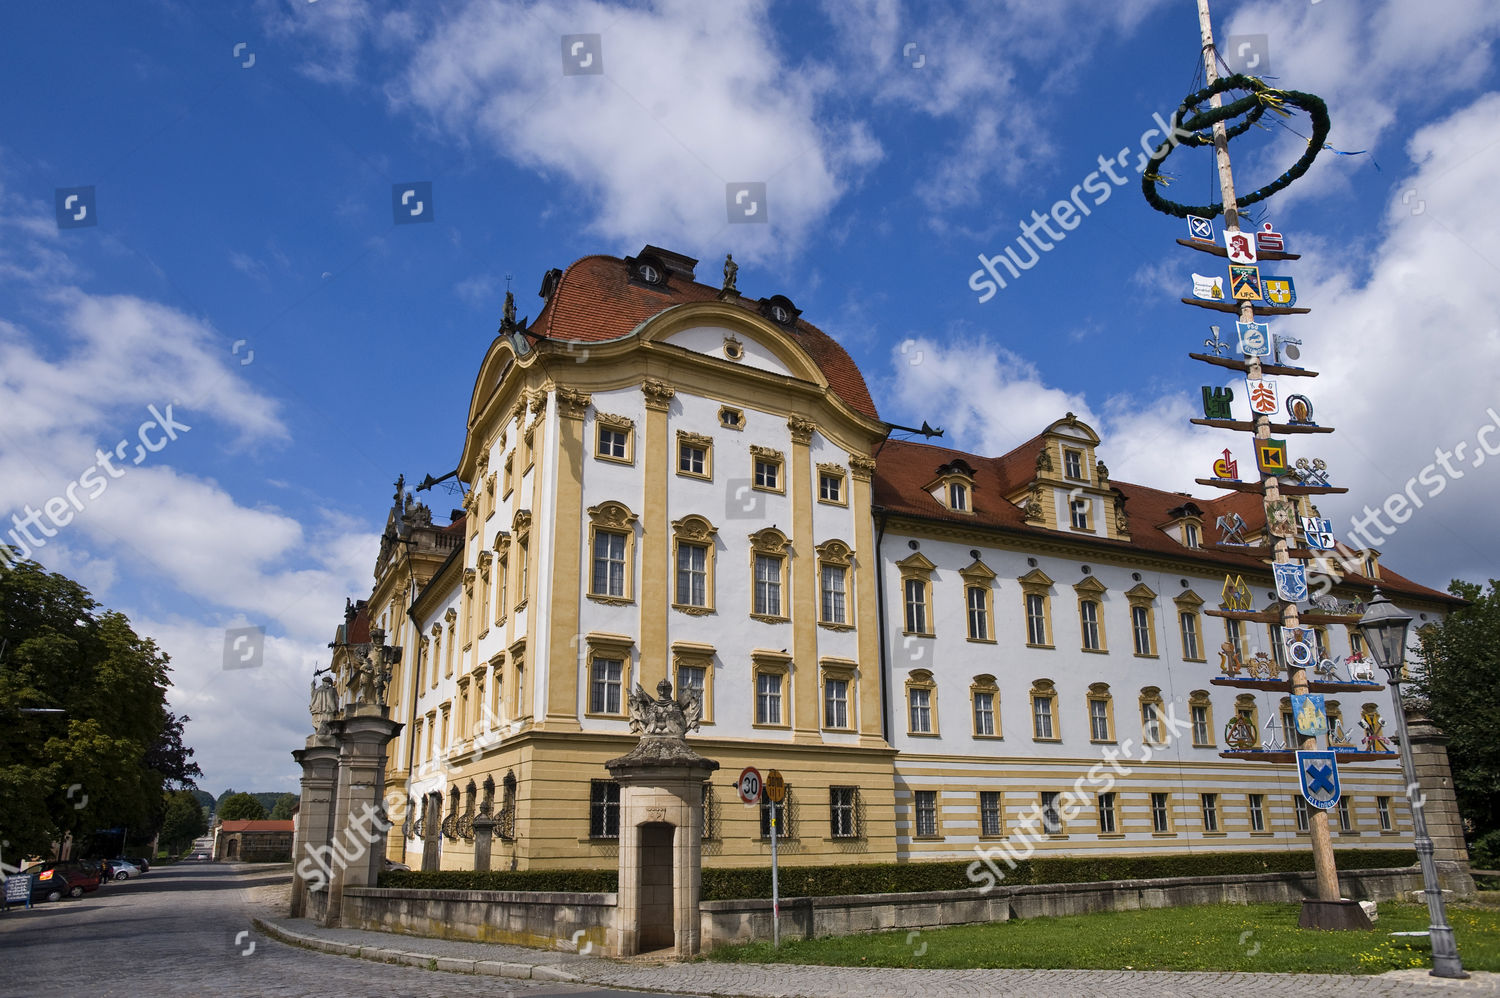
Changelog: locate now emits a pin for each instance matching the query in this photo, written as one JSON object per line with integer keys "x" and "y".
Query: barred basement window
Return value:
{"x": 604, "y": 809}
{"x": 1161, "y": 818}
{"x": 784, "y": 829}
{"x": 507, "y": 817}
{"x": 710, "y": 813}
{"x": 989, "y": 813}
{"x": 1210, "y": 806}
{"x": 925, "y": 806}
{"x": 1051, "y": 819}
{"x": 843, "y": 812}
{"x": 1107, "y": 813}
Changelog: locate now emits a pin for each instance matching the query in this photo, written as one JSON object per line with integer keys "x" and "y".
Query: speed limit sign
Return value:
{"x": 749, "y": 785}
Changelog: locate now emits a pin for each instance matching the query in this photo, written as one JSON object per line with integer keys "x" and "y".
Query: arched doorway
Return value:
{"x": 654, "y": 901}
{"x": 231, "y": 851}
{"x": 432, "y": 820}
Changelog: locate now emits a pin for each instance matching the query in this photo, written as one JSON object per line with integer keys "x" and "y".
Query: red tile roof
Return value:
{"x": 248, "y": 825}
{"x": 904, "y": 467}
{"x": 595, "y": 300}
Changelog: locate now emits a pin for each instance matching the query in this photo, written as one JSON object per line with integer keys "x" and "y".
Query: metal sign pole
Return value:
{"x": 775, "y": 886}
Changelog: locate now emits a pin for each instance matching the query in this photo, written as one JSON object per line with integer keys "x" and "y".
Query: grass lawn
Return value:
{"x": 1259, "y": 938}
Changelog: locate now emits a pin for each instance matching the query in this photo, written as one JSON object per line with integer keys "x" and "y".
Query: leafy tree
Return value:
{"x": 283, "y": 809}
{"x": 1458, "y": 685}
{"x": 89, "y": 765}
{"x": 183, "y": 822}
{"x": 240, "y": 807}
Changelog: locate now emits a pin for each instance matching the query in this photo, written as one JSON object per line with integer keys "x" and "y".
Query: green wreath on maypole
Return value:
{"x": 1192, "y": 127}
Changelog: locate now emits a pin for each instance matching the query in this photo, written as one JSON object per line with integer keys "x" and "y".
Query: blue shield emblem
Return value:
{"x": 1319, "y": 533}
{"x": 1201, "y": 229}
{"x": 1291, "y": 582}
{"x": 1319, "y": 774}
{"x": 1310, "y": 713}
{"x": 1279, "y": 290}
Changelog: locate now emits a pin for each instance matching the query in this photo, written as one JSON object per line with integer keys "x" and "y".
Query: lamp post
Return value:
{"x": 1384, "y": 629}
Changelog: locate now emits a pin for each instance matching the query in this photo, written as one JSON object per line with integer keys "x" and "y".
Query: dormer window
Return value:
{"x": 1073, "y": 464}
{"x": 1078, "y": 511}
{"x": 954, "y": 486}
{"x": 1372, "y": 566}
{"x": 1190, "y": 536}
{"x": 958, "y": 497}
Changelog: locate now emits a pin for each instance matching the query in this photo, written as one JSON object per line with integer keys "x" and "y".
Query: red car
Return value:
{"x": 70, "y": 877}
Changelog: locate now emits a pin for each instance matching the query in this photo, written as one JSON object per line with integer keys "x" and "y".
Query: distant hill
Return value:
{"x": 267, "y": 800}
{"x": 204, "y": 797}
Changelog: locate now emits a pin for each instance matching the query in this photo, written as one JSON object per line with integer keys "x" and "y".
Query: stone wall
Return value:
{"x": 747, "y": 921}
{"x": 549, "y": 920}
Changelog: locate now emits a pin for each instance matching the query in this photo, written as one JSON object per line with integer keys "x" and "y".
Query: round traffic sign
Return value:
{"x": 749, "y": 785}
{"x": 775, "y": 786}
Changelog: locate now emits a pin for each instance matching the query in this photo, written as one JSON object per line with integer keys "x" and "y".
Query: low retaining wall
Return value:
{"x": 727, "y": 922}
{"x": 547, "y": 920}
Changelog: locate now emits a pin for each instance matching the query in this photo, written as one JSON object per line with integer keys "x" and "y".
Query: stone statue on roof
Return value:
{"x": 731, "y": 272}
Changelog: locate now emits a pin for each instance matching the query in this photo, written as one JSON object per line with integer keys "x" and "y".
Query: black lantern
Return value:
{"x": 1384, "y": 626}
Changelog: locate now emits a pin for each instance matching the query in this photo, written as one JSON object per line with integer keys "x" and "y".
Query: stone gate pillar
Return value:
{"x": 319, "y": 762}
{"x": 360, "y": 821}
{"x": 661, "y": 828}
{"x": 1429, "y": 754}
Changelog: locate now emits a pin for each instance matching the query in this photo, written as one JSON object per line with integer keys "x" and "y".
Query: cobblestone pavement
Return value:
{"x": 185, "y": 931}
{"x": 188, "y": 929}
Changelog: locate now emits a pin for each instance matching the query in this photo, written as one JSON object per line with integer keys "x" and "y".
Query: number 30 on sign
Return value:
{"x": 750, "y": 785}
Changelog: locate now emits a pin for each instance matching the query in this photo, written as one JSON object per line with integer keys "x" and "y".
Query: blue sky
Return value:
{"x": 246, "y": 267}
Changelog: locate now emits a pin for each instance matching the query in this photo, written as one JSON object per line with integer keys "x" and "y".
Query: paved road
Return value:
{"x": 185, "y": 930}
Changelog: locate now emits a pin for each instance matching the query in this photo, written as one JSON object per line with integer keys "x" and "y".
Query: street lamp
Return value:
{"x": 1384, "y": 629}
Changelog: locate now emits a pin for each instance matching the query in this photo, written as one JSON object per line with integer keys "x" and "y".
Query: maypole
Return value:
{"x": 1247, "y": 301}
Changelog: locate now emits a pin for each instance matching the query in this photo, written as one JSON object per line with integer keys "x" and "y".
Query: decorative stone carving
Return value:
{"x": 614, "y": 422}
{"x": 769, "y": 453}
{"x": 1103, "y": 470}
{"x": 325, "y": 704}
{"x": 1031, "y": 509}
{"x": 658, "y": 394}
{"x": 802, "y": 429}
{"x": 1044, "y": 460}
{"x": 731, "y": 272}
{"x": 862, "y": 467}
{"x": 370, "y": 670}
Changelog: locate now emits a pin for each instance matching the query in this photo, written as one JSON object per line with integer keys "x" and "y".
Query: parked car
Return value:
{"x": 64, "y": 878}
{"x": 121, "y": 869}
{"x": 391, "y": 864}
{"x": 142, "y": 862}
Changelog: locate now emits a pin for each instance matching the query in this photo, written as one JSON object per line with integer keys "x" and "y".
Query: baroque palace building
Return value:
{"x": 667, "y": 480}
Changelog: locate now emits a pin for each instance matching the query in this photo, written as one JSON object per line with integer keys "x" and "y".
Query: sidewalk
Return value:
{"x": 781, "y": 980}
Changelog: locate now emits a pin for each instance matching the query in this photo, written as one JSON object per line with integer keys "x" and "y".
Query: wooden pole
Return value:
{"x": 1322, "y": 842}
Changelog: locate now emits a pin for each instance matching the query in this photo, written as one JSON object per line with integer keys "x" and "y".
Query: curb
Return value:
{"x": 426, "y": 961}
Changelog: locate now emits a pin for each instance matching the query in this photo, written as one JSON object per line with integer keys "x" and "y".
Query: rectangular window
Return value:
{"x": 691, "y": 679}
{"x": 1051, "y": 820}
{"x": 926, "y": 808}
{"x": 1200, "y": 725}
{"x": 979, "y": 615}
{"x": 1080, "y": 513}
{"x": 1210, "y": 805}
{"x": 692, "y": 574}
{"x": 1088, "y": 613}
{"x": 1107, "y": 813}
{"x": 1161, "y": 818}
{"x": 768, "y": 474}
{"x": 916, "y": 606}
{"x": 834, "y": 610}
{"x": 613, "y": 444}
{"x": 1140, "y": 621}
{"x": 1099, "y": 720}
{"x": 1190, "y": 535}
{"x": 1073, "y": 464}
{"x": 1041, "y": 717}
{"x": 604, "y": 809}
{"x": 1150, "y": 723}
{"x": 1257, "y": 812}
{"x": 835, "y": 703}
{"x": 1190, "y": 636}
{"x": 1236, "y": 635}
{"x": 989, "y": 813}
{"x": 842, "y": 813}
{"x": 604, "y": 686}
{"x": 692, "y": 459}
{"x": 1302, "y": 815}
{"x": 830, "y": 488}
{"x": 984, "y": 713}
{"x": 609, "y": 564}
{"x": 768, "y": 585}
{"x": 920, "y": 702}
{"x": 1346, "y": 821}
{"x": 958, "y": 497}
{"x": 1036, "y": 619}
{"x": 783, "y": 824}
{"x": 1289, "y": 730}
{"x": 767, "y": 698}
{"x": 1383, "y": 809}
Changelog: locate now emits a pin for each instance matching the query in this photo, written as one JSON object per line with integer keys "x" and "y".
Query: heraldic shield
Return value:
{"x": 1319, "y": 773}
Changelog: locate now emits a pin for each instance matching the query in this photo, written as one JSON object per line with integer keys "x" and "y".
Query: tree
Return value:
{"x": 86, "y": 767}
{"x": 283, "y": 809}
{"x": 1458, "y": 685}
{"x": 183, "y": 821}
{"x": 239, "y": 807}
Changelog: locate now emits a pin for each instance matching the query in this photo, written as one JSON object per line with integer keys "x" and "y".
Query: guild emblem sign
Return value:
{"x": 1208, "y": 288}
{"x": 1270, "y": 456}
{"x": 1314, "y": 472}
{"x": 1300, "y": 409}
{"x": 1239, "y": 246}
{"x": 1268, "y": 240}
{"x": 1216, "y": 402}
{"x": 1281, "y": 517}
{"x": 1291, "y": 582}
{"x": 1244, "y": 283}
{"x": 1232, "y": 529}
{"x": 1227, "y": 469}
{"x": 1201, "y": 229}
{"x": 1310, "y": 713}
{"x": 1280, "y": 290}
{"x": 1239, "y": 734}
{"x": 1319, "y": 533}
{"x": 1236, "y": 595}
{"x": 1284, "y": 350}
{"x": 1297, "y": 643}
{"x": 1263, "y": 399}
{"x": 1254, "y": 340}
{"x": 1319, "y": 773}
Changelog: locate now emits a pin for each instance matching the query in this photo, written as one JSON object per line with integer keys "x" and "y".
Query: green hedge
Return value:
{"x": 896, "y": 878}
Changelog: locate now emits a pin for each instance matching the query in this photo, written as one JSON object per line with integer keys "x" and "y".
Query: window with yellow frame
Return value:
{"x": 693, "y": 550}
{"x": 979, "y": 601}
